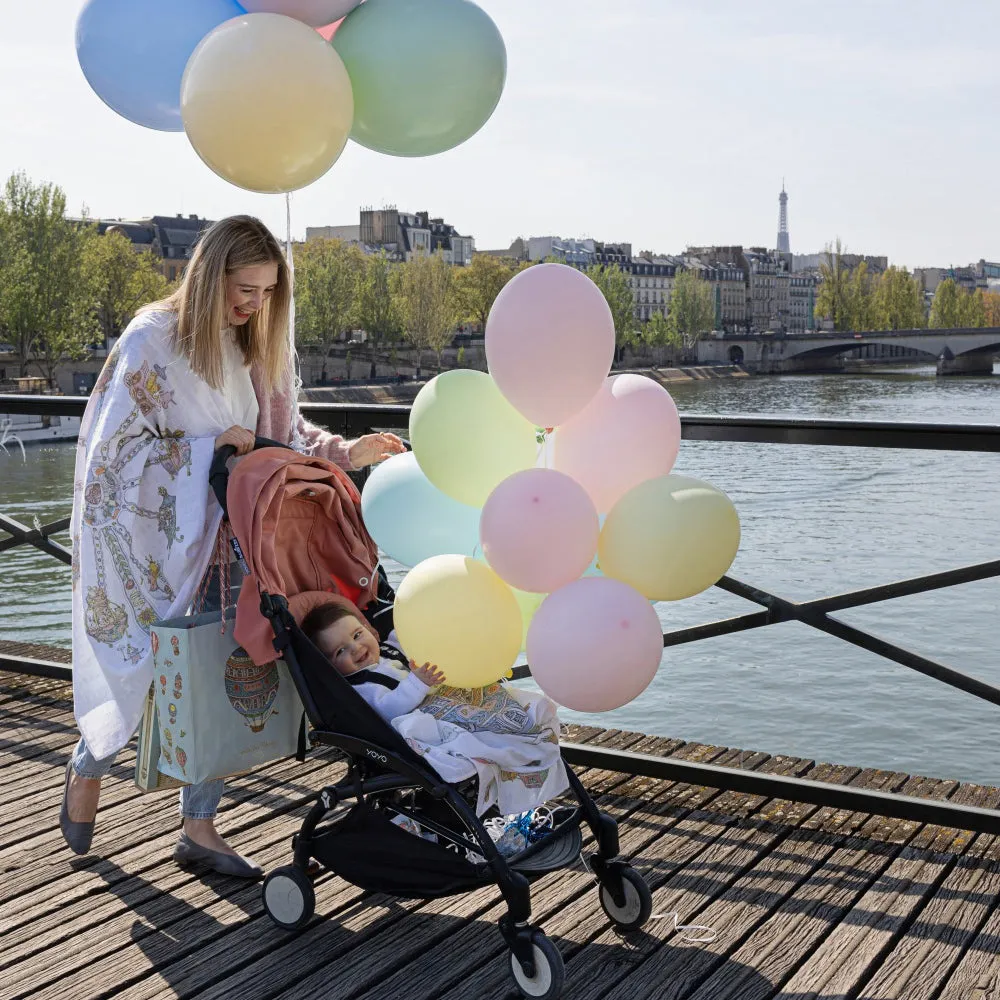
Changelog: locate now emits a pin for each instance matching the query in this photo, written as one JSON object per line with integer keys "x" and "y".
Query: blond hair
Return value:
{"x": 202, "y": 311}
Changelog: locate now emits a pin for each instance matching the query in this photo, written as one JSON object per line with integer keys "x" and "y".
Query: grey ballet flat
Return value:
{"x": 188, "y": 854}
{"x": 77, "y": 835}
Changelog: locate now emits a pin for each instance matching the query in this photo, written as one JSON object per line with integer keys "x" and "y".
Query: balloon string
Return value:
{"x": 292, "y": 352}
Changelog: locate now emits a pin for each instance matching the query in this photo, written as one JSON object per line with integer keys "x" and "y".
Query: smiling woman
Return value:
{"x": 206, "y": 367}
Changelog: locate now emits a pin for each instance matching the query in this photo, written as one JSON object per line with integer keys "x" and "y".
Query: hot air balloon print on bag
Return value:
{"x": 251, "y": 689}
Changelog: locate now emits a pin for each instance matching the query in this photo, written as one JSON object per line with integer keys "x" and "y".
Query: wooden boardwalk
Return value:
{"x": 805, "y": 902}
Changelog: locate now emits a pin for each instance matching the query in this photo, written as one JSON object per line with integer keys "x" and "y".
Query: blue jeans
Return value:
{"x": 200, "y": 801}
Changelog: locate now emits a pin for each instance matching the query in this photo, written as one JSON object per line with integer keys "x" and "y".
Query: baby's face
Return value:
{"x": 348, "y": 645}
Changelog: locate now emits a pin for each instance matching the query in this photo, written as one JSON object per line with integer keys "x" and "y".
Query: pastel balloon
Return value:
{"x": 457, "y": 613}
{"x": 427, "y": 74}
{"x": 467, "y": 437}
{"x": 329, "y": 30}
{"x": 550, "y": 341}
{"x": 539, "y": 530}
{"x": 628, "y": 433}
{"x": 412, "y": 520}
{"x": 670, "y": 537}
{"x": 594, "y": 645}
{"x": 300, "y": 114}
{"x": 133, "y": 53}
{"x": 529, "y": 605}
{"x": 315, "y": 13}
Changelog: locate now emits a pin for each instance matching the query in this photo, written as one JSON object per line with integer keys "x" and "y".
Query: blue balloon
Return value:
{"x": 411, "y": 519}
{"x": 133, "y": 53}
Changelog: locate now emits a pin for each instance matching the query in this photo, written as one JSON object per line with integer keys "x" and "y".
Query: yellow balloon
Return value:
{"x": 456, "y": 612}
{"x": 267, "y": 103}
{"x": 466, "y": 437}
{"x": 670, "y": 537}
{"x": 528, "y": 604}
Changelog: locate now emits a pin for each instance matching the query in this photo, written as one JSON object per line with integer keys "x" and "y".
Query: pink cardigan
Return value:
{"x": 275, "y": 422}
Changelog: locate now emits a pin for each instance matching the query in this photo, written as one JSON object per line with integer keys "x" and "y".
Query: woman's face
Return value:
{"x": 248, "y": 289}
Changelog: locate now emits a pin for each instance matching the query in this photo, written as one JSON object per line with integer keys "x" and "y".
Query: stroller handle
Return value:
{"x": 218, "y": 474}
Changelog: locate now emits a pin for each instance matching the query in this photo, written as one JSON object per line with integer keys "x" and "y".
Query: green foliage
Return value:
{"x": 118, "y": 279}
{"x": 857, "y": 300}
{"x": 617, "y": 290}
{"x": 898, "y": 301}
{"x": 692, "y": 308}
{"x": 44, "y": 302}
{"x": 659, "y": 331}
{"x": 954, "y": 307}
{"x": 425, "y": 286}
{"x": 478, "y": 284}
{"x": 326, "y": 282}
{"x": 833, "y": 294}
{"x": 378, "y": 308}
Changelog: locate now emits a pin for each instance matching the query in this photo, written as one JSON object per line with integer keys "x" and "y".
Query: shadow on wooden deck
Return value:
{"x": 805, "y": 902}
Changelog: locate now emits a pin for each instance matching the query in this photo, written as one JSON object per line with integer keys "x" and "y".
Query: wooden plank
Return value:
{"x": 932, "y": 946}
{"x": 730, "y": 888}
{"x": 977, "y": 974}
{"x": 202, "y": 968}
{"x": 864, "y": 935}
{"x": 683, "y": 828}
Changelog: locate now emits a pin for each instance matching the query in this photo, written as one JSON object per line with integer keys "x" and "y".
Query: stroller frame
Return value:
{"x": 378, "y": 769}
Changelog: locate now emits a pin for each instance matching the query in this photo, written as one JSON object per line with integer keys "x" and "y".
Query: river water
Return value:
{"x": 816, "y": 521}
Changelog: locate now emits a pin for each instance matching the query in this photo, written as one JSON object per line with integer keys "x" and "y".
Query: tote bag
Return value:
{"x": 218, "y": 712}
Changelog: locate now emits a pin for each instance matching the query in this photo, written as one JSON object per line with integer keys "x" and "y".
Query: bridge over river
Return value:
{"x": 955, "y": 351}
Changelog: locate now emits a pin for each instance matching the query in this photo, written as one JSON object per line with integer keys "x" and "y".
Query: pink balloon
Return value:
{"x": 538, "y": 530}
{"x": 550, "y": 341}
{"x": 594, "y": 645}
{"x": 628, "y": 433}
{"x": 329, "y": 30}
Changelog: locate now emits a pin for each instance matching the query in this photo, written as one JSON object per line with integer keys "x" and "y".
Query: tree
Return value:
{"x": 378, "y": 309}
{"x": 478, "y": 284}
{"x": 973, "y": 311}
{"x": 44, "y": 304}
{"x": 954, "y": 307}
{"x": 326, "y": 281}
{"x": 118, "y": 279}
{"x": 898, "y": 301}
{"x": 692, "y": 308}
{"x": 832, "y": 296}
{"x": 991, "y": 308}
{"x": 430, "y": 313}
{"x": 617, "y": 290}
{"x": 859, "y": 300}
{"x": 658, "y": 331}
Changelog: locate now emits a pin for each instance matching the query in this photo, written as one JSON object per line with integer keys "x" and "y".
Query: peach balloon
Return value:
{"x": 594, "y": 645}
{"x": 538, "y": 530}
{"x": 550, "y": 341}
{"x": 329, "y": 30}
{"x": 628, "y": 433}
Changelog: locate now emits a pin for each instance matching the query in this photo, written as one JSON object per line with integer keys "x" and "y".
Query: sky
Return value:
{"x": 662, "y": 123}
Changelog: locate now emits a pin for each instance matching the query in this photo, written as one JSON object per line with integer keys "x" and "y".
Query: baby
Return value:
{"x": 508, "y": 736}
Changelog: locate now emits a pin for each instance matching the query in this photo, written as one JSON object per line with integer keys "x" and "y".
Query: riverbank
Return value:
{"x": 406, "y": 392}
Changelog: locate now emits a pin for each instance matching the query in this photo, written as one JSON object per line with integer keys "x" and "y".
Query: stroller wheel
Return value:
{"x": 636, "y": 901}
{"x": 549, "y": 975}
{"x": 289, "y": 898}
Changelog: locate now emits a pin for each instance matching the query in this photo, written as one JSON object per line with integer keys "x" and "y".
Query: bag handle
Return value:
{"x": 218, "y": 474}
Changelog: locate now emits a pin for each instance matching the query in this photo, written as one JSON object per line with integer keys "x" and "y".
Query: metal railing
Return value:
{"x": 818, "y": 613}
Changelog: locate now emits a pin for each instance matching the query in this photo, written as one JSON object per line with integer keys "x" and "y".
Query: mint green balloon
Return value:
{"x": 426, "y": 74}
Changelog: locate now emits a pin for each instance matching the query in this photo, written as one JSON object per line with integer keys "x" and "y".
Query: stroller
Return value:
{"x": 350, "y": 830}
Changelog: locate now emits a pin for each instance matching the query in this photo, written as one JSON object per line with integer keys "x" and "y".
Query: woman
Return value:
{"x": 206, "y": 367}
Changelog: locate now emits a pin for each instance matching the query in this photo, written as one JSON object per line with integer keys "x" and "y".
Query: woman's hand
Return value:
{"x": 428, "y": 673}
{"x": 239, "y": 437}
{"x": 372, "y": 448}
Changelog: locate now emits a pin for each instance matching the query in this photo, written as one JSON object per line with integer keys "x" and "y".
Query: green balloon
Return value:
{"x": 426, "y": 74}
{"x": 466, "y": 437}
